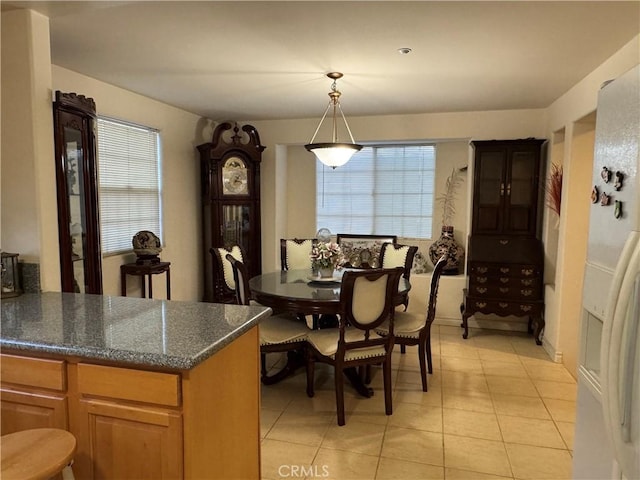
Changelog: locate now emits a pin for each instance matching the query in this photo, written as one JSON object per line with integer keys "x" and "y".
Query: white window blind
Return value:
{"x": 382, "y": 190}
{"x": 130, "y": 183}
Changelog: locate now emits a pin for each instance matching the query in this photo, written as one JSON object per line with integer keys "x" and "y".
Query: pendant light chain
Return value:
{"x": 334, "y": 153}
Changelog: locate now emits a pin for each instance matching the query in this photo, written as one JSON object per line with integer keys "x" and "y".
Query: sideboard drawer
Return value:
{"x": 505, "y": 270}
{"x": 505, "y": 307}
{"x": 33, "y": 372}
{"x": 511, "y": 290}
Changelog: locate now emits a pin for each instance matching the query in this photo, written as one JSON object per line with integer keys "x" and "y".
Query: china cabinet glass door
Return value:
{"x": 80, "y": 259}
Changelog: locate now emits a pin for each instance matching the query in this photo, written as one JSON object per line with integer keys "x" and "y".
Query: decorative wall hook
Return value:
{"x": 605, "y": 199}
{"x": 617, "y": 212}
{"x": 618, "y": 180}
{"x": 595, "y": 194}
{"x": 605, "y": 174}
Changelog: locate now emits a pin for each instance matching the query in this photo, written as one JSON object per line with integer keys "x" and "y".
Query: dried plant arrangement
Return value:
{"x": 554, "y": 188}
{"x": 448, "y": 198}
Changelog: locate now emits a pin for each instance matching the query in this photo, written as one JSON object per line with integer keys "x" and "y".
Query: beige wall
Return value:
{"x": 574, "y": 258}
{"x": 29, "y": 226}
{"x": 570, "y": 114}
{"x": 180, "y": 133}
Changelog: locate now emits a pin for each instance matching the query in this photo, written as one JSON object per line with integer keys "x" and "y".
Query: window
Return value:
{"x": 382, "y": 190}
{"x": 130, "y": 192}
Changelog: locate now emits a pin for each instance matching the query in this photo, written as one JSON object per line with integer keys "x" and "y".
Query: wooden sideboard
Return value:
{"x": 505, "y": 278}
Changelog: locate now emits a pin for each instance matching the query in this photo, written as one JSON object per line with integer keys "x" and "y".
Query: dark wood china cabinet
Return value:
{"x": 505, "y": 188}
{"x": 230, "y": 192}
{"x": 506, "y": 256}
{"x": 74, "y": 119}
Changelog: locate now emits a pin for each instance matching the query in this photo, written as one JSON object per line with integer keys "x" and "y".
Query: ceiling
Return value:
{"x": 266, "y": 60}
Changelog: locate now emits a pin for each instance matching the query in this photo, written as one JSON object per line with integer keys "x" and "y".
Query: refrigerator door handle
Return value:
{"x": 619, "y": 359}
{"x": 628, "y": 367}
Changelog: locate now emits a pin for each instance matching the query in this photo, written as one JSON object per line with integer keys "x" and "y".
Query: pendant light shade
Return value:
{"x": 334, "y": 153}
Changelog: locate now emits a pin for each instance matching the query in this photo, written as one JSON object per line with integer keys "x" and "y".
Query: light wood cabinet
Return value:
{"x": 22, "y": 410}
{"x": 129, "y": 441}
{"x": 32, "y": 394}
{"x": 137, "y": 423}
{"x": 129, "y": 424}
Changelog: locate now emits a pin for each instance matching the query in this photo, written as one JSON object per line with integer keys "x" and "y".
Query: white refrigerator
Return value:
{"x": 607, "y": 435}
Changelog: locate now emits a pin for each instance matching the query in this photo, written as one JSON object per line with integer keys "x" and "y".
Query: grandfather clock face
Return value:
{"x": 235, "y": 177}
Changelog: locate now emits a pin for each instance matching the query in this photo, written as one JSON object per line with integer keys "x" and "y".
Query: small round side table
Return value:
{"x": 142, "y": 271}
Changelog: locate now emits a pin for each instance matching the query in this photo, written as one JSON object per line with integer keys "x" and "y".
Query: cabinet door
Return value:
{"x": 128, "y": 442}
{"x": 22, "y": 410}
{"x": 489, "y": 190}
{"x": 505, "y": 195}
{"x": 521, "y": 194}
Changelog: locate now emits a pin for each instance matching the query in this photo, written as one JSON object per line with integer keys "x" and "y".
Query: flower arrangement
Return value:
{"x": 554, "y": 188}
{"x": 326, "y": 255}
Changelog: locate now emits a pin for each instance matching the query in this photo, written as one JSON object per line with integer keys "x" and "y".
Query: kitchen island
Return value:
{"x": 151, "y": 389}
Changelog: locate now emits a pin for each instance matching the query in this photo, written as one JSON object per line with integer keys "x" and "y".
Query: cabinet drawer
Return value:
{"x": 505, "y": 270}
{"x": 503, "y": 307}
{"x": 128, "y": 384}
{"x": 33, "y": 372}
{"x": 510, "y": 290}
{"x": 504, "y": 250}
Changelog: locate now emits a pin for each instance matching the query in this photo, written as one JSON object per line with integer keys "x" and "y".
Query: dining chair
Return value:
{"x": 415, "y": 329}
{"x": 394, "y": 255}
{"x": 366, "y": 302}
{"x": 223, "y": 280}
{"x": 278, "y": 333}
{"x": 294, "y": 253}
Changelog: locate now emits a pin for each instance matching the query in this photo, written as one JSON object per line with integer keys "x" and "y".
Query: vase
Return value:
{"x": 326, "y": 272}
{"x": 447, "y": 244}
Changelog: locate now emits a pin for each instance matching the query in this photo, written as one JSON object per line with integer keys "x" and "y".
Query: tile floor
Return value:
{"x": 497, "y": 408}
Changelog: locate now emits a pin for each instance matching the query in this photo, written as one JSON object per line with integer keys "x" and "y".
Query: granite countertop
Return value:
{"x": 141, "y": 332}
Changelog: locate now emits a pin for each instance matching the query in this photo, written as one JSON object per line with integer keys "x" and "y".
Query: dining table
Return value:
{"x": 302, "y": 293}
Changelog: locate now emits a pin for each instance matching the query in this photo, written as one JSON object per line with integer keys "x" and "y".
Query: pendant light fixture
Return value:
{"x": 335, "y": 153}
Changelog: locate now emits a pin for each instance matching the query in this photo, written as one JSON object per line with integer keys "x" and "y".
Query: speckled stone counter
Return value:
{"x": 141, "y": 332}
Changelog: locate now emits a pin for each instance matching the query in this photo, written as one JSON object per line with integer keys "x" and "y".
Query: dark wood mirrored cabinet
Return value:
{"x": 74, "y": 118}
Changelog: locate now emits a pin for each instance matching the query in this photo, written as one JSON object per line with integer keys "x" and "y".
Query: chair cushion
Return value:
{"x": 325, "y": 341}
{"x": 404, "y": 325}
{"x": 368, "y": 299}
{"x": 282, "y": 329}
{"x": 298, "y": 255}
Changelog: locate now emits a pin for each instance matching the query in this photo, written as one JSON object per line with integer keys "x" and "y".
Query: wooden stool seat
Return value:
{"x": 36, "y": 454}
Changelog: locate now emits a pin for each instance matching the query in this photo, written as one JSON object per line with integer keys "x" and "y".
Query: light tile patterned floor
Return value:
{"x": 497, "y": 408}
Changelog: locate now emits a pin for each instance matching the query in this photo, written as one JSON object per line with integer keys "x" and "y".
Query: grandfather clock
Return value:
{"x": 230, "y": 189}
